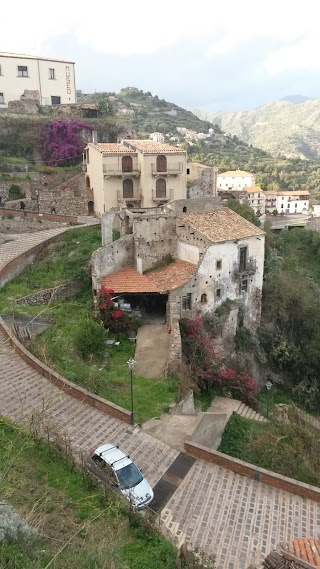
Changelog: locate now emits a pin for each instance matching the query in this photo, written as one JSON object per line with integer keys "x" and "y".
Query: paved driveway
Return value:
{"x": 152, "y": 350}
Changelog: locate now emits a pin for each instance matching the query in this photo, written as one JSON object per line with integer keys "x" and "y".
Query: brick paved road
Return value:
{"x": 236, "y": 518}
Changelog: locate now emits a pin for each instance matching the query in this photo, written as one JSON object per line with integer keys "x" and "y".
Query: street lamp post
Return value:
{"x": 131, "y": 363}
{"x": 268, "y": 386}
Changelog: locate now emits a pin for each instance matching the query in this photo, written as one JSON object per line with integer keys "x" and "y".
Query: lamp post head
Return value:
{"x": 131, "y": 363}
{"x": 269, "y": 385}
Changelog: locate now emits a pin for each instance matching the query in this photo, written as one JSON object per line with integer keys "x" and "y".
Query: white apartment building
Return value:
{"x": 286, "y": 202}
{"x": 157, "y": 137}
{"x": 235, "y": 180}
{"x": 53, "y": 79}
{"x": 256, "y": 199}
{"x": 139, "y": 173}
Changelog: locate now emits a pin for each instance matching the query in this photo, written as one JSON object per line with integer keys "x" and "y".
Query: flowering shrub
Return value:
{"x": 115, "y": 320}
{"x": 208, "y": 369}
{"x": 61, "y": 141}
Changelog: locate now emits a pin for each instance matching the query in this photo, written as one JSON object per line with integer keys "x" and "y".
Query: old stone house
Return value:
{"x": 177, "y": 265}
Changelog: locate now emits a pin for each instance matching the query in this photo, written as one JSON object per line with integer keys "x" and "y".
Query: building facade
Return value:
{"x": 53, "y": 79}
{"x": 235, "y": 180}
{"x": 137, "y": 173}
{"x": 286, "y": 202}
{"x": 256, "y": 199}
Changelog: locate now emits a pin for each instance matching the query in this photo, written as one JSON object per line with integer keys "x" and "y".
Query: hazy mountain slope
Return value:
{"x": 281, "y": 128}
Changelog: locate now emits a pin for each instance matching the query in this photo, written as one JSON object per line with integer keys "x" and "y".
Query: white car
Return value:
{"x": 115, "y": 468}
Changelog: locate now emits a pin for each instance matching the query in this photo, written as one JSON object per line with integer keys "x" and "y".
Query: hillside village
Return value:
{"x": 161, "y": 303}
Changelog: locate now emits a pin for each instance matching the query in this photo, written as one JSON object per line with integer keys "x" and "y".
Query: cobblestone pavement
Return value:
{"x": 236, "y": 518}
{"x": 10, "y": 250}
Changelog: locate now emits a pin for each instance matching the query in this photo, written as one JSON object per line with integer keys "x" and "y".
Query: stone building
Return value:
{"x": 52, "y": 79}
{"x": 136, "y": 173}
{"x": 201, "y": 181}
{"x": 179, "y": 265}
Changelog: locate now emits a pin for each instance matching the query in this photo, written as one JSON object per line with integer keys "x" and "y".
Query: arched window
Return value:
{"x": 161, "y": 163}
{"x": 184, "y": 209}
{"x": 204, "y": 298}
{"x": 127, "y": 188}
{"x": 161, "y": 188}
{"x": 87, "y": 182}
{"x": 126, "y": 164}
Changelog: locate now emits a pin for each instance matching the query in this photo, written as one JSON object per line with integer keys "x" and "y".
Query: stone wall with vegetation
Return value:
{"x": 62, "y": 292}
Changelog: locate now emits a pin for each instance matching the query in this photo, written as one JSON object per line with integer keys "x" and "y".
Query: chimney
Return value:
{"x": 94, "y": 137}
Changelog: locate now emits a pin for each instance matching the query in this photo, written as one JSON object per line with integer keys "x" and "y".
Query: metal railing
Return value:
{"x": 172, "y": 168}
{"x": 248, "y": 268}
{"x": 161, "y": 196}
{"x": 115, "y": 169}
{"x": 134, "y": 198}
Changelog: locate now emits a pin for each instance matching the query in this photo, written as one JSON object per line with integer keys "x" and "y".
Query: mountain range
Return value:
{"x": 289, "y": 127}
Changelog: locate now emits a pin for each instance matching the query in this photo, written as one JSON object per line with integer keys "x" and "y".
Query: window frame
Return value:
{"x": 55, "y": 97}
{"x": 243, "y": 252}
{"x": 23, "y": 71}
{"x": 219, "y": 265}
{"x": 186, "y": 301}
{"x": 218, "y": 293}
{"x": 244, "y": 289}
{"x": 2, "y": 96}
{"x": 52, "y": 75}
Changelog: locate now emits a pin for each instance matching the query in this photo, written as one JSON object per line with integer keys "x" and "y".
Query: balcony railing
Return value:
{"x": 135, "y": 198}
{"x": 116, "y": 170}
{"x": 248, "y": 268}
{"x": 160, "y": 197}
{"x": 173, "y": 169}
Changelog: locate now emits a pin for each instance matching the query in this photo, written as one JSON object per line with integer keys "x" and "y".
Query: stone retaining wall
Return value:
{"x": 252, "y": 471}
{"x": 62, "y": 292}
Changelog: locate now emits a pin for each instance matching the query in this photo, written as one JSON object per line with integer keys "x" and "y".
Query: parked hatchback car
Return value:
{"x": 115, "y": 468}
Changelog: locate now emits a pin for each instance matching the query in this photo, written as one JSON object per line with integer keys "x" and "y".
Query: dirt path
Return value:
{"x": 152, "y": 350}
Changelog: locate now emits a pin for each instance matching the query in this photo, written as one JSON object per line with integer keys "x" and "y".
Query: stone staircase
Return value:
{"x": 249, "y": 413}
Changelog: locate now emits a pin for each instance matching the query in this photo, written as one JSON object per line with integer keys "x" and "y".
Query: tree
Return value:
{"x": 244, "y": 210}
{"x": 62, "y": 142}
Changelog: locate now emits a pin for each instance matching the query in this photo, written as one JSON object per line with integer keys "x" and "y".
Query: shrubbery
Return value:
{"x": 15, "y": 192}
{"x": 114, "y": 319}
{"x": 90, "y": 338}
{"x": 61, "y": 141}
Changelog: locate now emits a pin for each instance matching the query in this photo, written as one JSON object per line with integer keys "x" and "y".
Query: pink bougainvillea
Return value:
{"x": 113, "y": 319}
{"x": 62, "y": 142}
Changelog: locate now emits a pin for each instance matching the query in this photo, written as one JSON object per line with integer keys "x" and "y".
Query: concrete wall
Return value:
{"x": 176, "y": 183}
{"x": 13, "y": 86}
{"x": 94, "y": 178}
{"x": 154, "y": 237}
{"x": 209, "y": 430}
{"x": 112, "y": 258}
{"x": 107, "y": 222}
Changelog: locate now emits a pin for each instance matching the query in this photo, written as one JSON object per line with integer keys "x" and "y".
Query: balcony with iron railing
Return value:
{"x": 136, "y": 197}
{"x": 115, "y": 169}
{"x": 172, "y": 169}
{"x": 243, "y": 269}
{"x": 162, "y": 196}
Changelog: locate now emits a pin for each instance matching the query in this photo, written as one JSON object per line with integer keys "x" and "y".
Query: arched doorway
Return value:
{"x": 126, "y": 164}
{"x": 161, "y": 163}
{"x": 161, "y": 188}
{"x": 127, "y": 188}
{"x": 87, "y": 182}
{"x": 90, "y": 207}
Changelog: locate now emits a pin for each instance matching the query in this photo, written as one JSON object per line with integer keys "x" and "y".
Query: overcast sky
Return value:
{"x": 214, "y": 55}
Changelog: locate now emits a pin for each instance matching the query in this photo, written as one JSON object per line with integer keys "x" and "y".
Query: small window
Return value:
{"x": 22, "y": 71}
{"x": 282, "y": 198}
{"x": 51, "y": 73}
{"x": 184, "y": 209}
{"x": 204, "y": 298}
{"x": 244, "y": 285}
{"x": 0, "y": 70}
{"x": 55, "y": 100}
{"x": 219, "y": 265}
{"x": 186, "y": 302}
{"x": 1, "y": 99}
{"x": 218, "y": 293}
{"x": 188, "y": 169}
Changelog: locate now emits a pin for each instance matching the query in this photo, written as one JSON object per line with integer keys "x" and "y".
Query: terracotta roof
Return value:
{"x": 270, "y": 193}
{"x": 166, "y": 278}
{"x": 25, "y": 56}
{"x": 253, "y": 190}
{"x": 307, "y": 550}
{"x": 113, "y": 148}
{"x": 293, "y": 193}
{"x": 221, "y": 225}
{"x": 150, "y": 147}
{"x": 235, "y": 173}
{"x": 276, "y": 561}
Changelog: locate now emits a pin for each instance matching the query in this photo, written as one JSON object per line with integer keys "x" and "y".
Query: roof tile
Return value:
{"x": 150, "y": 147}
{"x": 167, "y": 278}
{"x": 221, "y": 225}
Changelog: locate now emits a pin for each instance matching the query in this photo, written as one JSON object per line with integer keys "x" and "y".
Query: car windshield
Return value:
{"x": 129, "y": 476}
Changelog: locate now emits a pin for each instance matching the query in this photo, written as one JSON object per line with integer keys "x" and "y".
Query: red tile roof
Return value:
{"x": 113, "y": 148}
{"x": 220, "y": 225}
{"x": 150, "y": 147}
{"x": 307, "y": 550}
{"x": 166, "y": 278}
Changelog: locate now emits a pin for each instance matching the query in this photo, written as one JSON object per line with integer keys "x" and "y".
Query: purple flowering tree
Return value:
{"x": 62, "y": 142}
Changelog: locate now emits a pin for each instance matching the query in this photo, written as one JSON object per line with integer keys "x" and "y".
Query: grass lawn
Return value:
{"x": 289, "y": 449}
{"x": 67, "y": 260}
{"x": 57, "y": 501}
